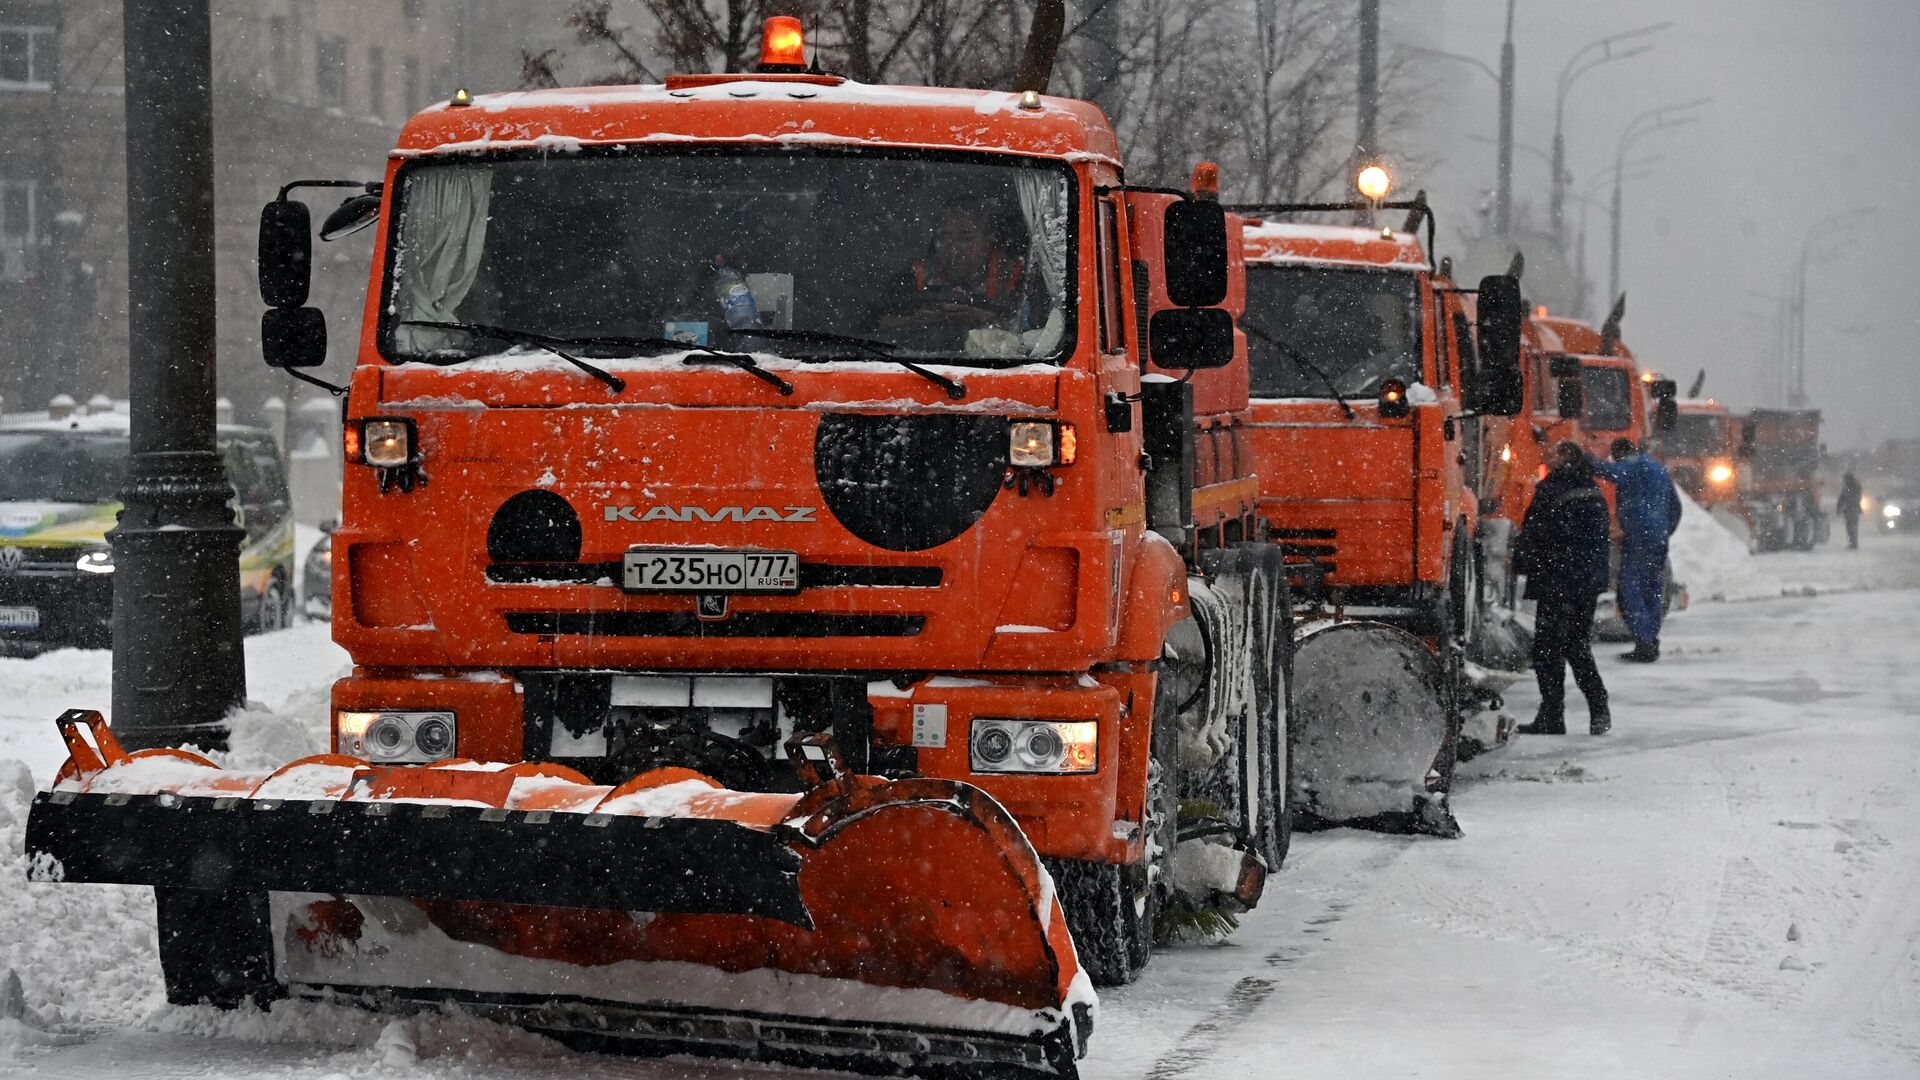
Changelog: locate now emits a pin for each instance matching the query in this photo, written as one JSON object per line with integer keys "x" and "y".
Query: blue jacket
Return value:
{"x": 1647, "y": 504}
{"x": 1564, "y": 541}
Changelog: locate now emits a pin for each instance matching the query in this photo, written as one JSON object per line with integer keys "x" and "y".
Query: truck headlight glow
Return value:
{"x": 1720, "y": 473}
{"x": 1890, "y": 511}
{"x": 386, "y": 443}
{"x": 393, "y": 735}
{"x": 1034, "y": 746}
{"x": 97, "y": 561}
{"x": 1038, "y": 444}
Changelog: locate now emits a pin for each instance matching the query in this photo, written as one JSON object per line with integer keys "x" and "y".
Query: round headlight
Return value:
{"x": 1043, "y": 744}
{"x": 434, "y": 737}
{"x": 387, "y": 736}
{"x": 993, "y": 745}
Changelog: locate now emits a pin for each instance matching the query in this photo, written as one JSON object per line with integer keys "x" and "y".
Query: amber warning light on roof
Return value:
{"x": 783, "y": 45}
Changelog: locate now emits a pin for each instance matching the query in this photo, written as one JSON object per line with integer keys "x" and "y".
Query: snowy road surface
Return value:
{"x": 1728, "y": 885}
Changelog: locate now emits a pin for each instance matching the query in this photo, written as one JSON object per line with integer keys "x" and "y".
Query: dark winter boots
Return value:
{"x": 1599, "y": 720}
{"x": 1644, "y": 652}
{"x": 1544, "y": 726}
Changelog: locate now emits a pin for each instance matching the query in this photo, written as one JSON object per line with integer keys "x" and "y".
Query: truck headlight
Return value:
{"x": 97, "y": 561}
{"x": 1034, "y": 746}
{"x": 1720, "y": 473}
{"x": 1890, "y": 511}
{"x": 392, "y": 735}
{"x": 386, "y": 442}
{"x": 1038, "y": 444}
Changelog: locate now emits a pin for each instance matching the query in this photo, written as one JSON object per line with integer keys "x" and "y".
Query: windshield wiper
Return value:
{"x": 1293, "y": 354}
{"x": 954, "y": 388}
{"x": 702, "y": 354}
{"x": 555, "y": 345}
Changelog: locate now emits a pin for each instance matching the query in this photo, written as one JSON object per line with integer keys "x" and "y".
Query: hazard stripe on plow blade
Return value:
{"x": 606, "y": 862}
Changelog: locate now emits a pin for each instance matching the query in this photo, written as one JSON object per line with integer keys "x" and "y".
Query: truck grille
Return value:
{"x": 812, "y": 575}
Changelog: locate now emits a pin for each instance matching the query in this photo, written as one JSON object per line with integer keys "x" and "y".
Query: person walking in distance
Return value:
{"x": 1562, "y": 549}
{"x": 1649, "y": 510}
{"x": 1849, "y": 508}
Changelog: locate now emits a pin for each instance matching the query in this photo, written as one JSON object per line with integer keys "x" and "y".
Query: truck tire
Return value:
{"x": 1272, "y": 610}
{"x": 215, "y": 948}
{"x": 1112, "y": 909}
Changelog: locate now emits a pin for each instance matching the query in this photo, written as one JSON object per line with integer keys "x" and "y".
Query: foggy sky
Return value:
{"x": 1817, "y": 108}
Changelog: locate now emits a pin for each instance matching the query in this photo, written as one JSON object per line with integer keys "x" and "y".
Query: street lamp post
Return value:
{"x": 1796, "y": 373}
{"x": 1660, "y": 119}
{"x": 1503, "y": 200}
{"x": 177, "y": 663}
{"x": 1577, "y": 65}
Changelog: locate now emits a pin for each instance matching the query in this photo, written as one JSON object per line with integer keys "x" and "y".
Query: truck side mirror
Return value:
{"x": 351, "y": 216}
{"x": 1498, "y": 388}
{"x": 1195, "y": 255}
{"x": 1746, "y": 439}
{"x": 286, "y": 253}
{"x": 1570, "y": 397}
{"x": 1666, "y": 410}
{"x": 293, "y": 337}
{"x": 1191, "y": 338}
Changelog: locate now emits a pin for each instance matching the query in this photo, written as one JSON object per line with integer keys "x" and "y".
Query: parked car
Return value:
{"x": 316, "y": 577}
{"x": 1900, "y": 510}
{"x": 60, "y": 481}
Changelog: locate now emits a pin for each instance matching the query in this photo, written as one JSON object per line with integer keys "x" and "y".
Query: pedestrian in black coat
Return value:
{"x": 1563, "y": 551}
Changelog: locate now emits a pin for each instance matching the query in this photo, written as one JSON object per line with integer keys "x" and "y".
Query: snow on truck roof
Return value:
{"x": 777, "y": 110}
{"x": 1292, "y": 242}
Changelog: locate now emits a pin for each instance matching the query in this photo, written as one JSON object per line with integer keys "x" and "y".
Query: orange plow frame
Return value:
{"x": 891, "y": 926}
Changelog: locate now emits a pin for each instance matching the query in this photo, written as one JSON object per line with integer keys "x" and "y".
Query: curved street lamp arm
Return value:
{"x": 1606, "y": 43}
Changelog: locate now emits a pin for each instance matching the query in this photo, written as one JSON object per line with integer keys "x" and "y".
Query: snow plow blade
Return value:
{"x": 893, "y": 927}
{"x": 1374, "y": 737}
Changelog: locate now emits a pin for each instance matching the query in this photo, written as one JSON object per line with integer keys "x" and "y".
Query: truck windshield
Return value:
{"x": 57, "y": 466}
{"x": 965, "y": 260}
{"x": 1609, "y": 394}
{"x": 1361, "y": 327}
{"x": 1695, "y": 435}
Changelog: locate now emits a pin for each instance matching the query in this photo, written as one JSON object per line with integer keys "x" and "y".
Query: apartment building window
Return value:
{"x": 16, "y": 228}
{"x": 410, "y": 76}
{"x": 376, "y": 81}
{"x": 26, "y": 57}
{"x": 280, "y": 54}
{"x": 330, "y": 71}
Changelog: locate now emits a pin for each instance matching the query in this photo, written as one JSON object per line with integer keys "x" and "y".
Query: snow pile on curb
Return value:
{"x": 1713, "y": 563}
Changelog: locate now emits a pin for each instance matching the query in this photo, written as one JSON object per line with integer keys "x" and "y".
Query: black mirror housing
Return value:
{"x": 1191, "y": 339}
{"x": 352, "y": 215}
{"x": 1498, "y": 386}
{"x": 1570, "y": 396}
{"x": 1563, "y": 366}
{"x": 1195, "y": 242}
{"x": 286, "y": 253}
{"x": 293, "y": 337}
{"x": 1666, "y": 414}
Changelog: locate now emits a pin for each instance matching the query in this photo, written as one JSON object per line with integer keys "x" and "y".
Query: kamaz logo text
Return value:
{"x": 701, "y": 513}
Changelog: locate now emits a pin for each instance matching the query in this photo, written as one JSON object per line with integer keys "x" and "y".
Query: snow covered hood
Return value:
{"x": 765, "y": 110}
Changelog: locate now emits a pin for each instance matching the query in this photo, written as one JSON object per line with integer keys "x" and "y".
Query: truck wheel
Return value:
{"x": 1272, "y": 609}
{"x": 216, "y": 948}
{"x": 1113, "y": 910}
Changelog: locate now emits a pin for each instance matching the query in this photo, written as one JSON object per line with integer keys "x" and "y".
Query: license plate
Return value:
{"x": 703, "y": 570}
{"x": 19, "y": 618}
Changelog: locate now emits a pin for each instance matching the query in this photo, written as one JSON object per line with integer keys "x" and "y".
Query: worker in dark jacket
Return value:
{"x": 1649, "y": 510}
{"x": 1562, "y": 549}
{"x": 1849, "y": 508}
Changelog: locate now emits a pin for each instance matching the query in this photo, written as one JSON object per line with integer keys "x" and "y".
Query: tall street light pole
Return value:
{"x": 1581, "y": 62}
{"x": 177, "y": 661}
{"x": 1368, "y": 97}
{"x": 1796, "y": 380}
{"x": 1660, "y": 119}
{"x": 1503, "y": 199}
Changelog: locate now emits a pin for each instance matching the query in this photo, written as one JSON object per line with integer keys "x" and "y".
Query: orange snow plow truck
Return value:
{"x": 798, "y": 564}
{"x": 1366, "y": 388}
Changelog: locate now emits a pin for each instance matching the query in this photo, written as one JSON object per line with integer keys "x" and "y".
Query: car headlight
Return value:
{"x": 1038, "y": 444}
{"x": 392, "y": 735}
{"x": 1034, "y": 746}
{"x": 97, "y": 561}
{"x": 1890, "y": 510}
{"x": 1720, "y": 473}
{"x": 386, "y": 442}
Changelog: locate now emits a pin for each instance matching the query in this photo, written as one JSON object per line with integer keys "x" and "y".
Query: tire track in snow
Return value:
{"x": 1197, "y": 1046}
